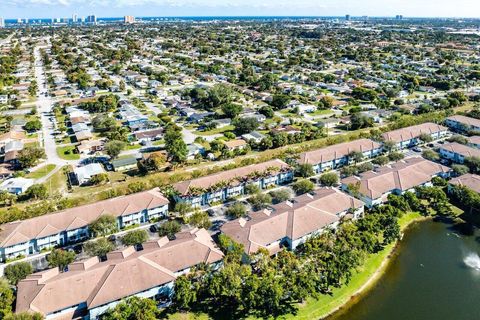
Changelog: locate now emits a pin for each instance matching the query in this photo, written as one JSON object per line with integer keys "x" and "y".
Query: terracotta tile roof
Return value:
{"x": 292, "y": 219}
{"x": 471, "y": 181}
{"x": 412, "y": 132}
{"x": 238, "y": 173}
{"x": 337, "y": 151}
{"x": 461, "y": 149}
{"x": 12, "y": 135}
{"x": 74, "y": 218}
{"x": 474, "y": 140}
{"x": 235, "y": 143}
{"x": 124, "y": 273}
{"x": 465, "y": 120}
{"x": 402, "y": 175}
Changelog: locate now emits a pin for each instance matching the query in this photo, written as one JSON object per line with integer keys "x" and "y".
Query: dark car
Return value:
{"x": 77, "y": 249}
{"x": 112, "y": 238}
{"x": 153, "y": 228}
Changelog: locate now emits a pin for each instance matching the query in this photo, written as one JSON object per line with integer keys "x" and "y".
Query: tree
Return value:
{"x": 6, "y": 298}
{"x": 360, "y": 121}
{"x": 473, "y": 163}
{"x": 182, "y": 208}
{"x": 280, "y": 101}
{"x": 36, "y": 191}
{"x": 305, "y": 170}
{"x": 104, "y": 225}
{"x": 260, "y": 201}
{"x": 381, "y": 160}
{"x": 174, "y": 144}
{"x": 425, "y": 138}
{"x": 103, "y": 123}
{"x": 169, "y": 229}
{"x": 458, "y": 139}
{"x": 232, "y": 110}
{"x": 99, "y": 179}
{"x": 25, "y": 316}
{"x": 459, "y": 169}
{"x": 252, "y": 188}
{"x": 356, "y": 156}
{"x": 303, "y": 186}
{"x": 17, "y": 271}
{"x": 431, "y": 155}
{"x": 245, "y": 125}
{"x": 133, "y": 308}
{"x": 267, "y": 111}
{"x": 280, "y": 195}
{"x": 33, "y": 125}
{"x": 200, "y": 219}
{"x": 135, "y": 237}
{"x": 185, "y": 293}
{"x": 236, "y": 210}
{"x": 396, "y": 156}
{"x": 389, "y": 145}
{"x": 29, "y": 156}
{"x": 98, "y": 248}
{"x": 364, "y": 167}
{"x": 114, "y": 148}
{"x": 60, "y": 258}
{"x": 329, "y": 179}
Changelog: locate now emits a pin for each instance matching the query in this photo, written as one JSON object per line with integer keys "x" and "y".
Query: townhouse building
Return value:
{"x": 463, "y": 124}
{"x": 373, "y": 187}
{"x": 471, "y": 181}
{"x": 89, "y": 288}
{"x": 21, "y": 238}
{"x": 336, "y": 156}
{"x": 474, "y": 141}
{"x": 409, "y": 137}
{"x": 291, "y": 223}
{"x": 457, "y": 152}
{"x": 228, "y": 184}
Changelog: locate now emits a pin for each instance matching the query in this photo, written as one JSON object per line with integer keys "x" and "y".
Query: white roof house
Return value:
{"x": 16, "y": 185}
{"x": 85, "y": 173}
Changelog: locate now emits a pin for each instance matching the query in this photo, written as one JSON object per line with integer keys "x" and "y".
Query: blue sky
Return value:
{"x": 110, "y": 8}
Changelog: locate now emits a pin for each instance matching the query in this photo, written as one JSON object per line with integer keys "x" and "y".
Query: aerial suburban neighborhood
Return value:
{"x": 246, "y": 167}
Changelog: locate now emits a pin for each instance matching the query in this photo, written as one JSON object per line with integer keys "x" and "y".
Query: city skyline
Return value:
{"x": 38, "y": 9}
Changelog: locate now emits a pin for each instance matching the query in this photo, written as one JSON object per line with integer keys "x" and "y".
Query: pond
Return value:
{"x": 435, "y": 275}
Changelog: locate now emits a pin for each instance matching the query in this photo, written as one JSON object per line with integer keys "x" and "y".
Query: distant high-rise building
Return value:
{"x": 399, "y": 17}
{"x": 19, "y": 21}
{"x": 2, "y": 23}
{"x": 128, "y": 19}
{"x": 347, "y": 17}
{"x": 92, "y": 19}
{"x": 74, "y": 18}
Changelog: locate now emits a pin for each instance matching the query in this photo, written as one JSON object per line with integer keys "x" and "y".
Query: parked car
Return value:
{"x": 417, "y": 149}
{"x": 153, "y": 228}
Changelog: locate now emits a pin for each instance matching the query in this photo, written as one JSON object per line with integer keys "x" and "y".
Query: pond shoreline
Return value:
{"x": 377, "y": 275}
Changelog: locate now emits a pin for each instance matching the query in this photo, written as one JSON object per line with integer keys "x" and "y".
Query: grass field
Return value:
{"x": 67, "y": 153}
{"x": 215, "y": 131}
{"x": 41, "y": 172}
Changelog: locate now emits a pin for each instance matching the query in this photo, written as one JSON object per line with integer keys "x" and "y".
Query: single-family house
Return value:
{"x": 85, "y": 173}
{"x": 124, "y": 164}
{"x": 255, "y": 136}
{"x": 16, "y": 185}
{"x": 290, "y": 223}
{"x": 236, "y": 144}
{"x": 373, "y": 187}
{"x": 228, "y": 184}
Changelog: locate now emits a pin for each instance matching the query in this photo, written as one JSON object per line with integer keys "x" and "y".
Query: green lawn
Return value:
{"x": 215, "y": 131}
{"x": 41, "y": 172}
{"x": 67, "y": 153}
{"x": 134, "y": 146}
{"x": 320, "y": 112}
{"x": 57, "y": 182}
